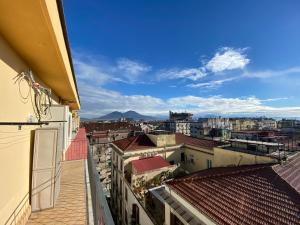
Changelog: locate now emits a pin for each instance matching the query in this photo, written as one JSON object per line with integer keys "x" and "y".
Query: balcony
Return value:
{"x": 81, "y": 199}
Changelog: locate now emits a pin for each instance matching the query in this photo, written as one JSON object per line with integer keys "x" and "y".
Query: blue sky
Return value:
{"x": 206, "y": 57}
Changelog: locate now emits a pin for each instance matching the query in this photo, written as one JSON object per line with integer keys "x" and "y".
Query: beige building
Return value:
{"x": 186, "y": 154}
{"x": 39, "y": 118}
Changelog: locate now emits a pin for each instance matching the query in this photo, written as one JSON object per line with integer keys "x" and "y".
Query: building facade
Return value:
{"x": 36, "y": 79}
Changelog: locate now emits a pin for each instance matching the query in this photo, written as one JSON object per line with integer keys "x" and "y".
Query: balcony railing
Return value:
{"x": 101, "y": 211}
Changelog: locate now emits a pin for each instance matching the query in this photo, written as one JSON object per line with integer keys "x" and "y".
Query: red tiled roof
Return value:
{"x": 241, "y": 195}
{"x": 134, "y": 143}
{"x": 204, "y": 143}
{"x": 100, "y": 135}
{"x": 149, "y": 163}
{"x": 95, "y": 126}
{"x": 142, "y": 142}
{"x": 290, "y": 172}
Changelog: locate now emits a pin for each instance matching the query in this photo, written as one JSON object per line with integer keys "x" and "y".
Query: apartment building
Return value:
{"x": 183, "y": 127}
{"x": 175, "y": 116}
{"x": 252, "y": 194}
{"x": 266, "y": 124}
{"x": 163, "y": 156}
{"x": 218, "y": 122}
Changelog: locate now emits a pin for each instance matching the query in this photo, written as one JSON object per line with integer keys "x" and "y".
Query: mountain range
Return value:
{"x": 116, "y": 115}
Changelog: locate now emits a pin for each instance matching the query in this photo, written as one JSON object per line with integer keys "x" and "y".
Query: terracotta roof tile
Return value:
{"x": 241, "y": 195}
{"x": 149, "y": 163}
{"x": 134, "y": 143}
{"x": 290, "y": 172}
{"x": 204, "y": 143}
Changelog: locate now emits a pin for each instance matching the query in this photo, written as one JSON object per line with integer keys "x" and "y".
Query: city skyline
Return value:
{"x": 202, "y": 57}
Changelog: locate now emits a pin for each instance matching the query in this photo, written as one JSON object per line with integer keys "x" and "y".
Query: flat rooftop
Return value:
{"x": 256, "y": 142}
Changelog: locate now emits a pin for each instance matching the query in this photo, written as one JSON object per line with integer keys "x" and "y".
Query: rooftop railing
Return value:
{"x": 101, "y": 211}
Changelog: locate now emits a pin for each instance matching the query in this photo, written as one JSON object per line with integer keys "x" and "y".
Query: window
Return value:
{"x": 182, "y": 158}
{"x": 209, "y": 163}
{"x": 126, "y": 220}
{"x": 135, "y": 214}
{"x": 120, "y": 186}
{"x": 175, "y": 220}
{"x": 126, "y": 194}
{"x": 121, "y": 164}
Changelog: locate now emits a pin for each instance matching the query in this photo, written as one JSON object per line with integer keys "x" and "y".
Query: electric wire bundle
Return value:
{"x": 41, "y": 97}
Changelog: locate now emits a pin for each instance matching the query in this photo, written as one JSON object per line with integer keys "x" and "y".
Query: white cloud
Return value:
{"x": 188, "y": 73}
{"x": 265, "y": 74}
{"x": 220, "y": 105}
{"x": 100, "y": 70}
{"x": 132, "y": 67}
{"x": 212, "y": 83}
{"x": 99, "y": 101}
{"x": 227, "y": 59}
{"x": 96, "y": 100}
{"x": 89, "y": 71}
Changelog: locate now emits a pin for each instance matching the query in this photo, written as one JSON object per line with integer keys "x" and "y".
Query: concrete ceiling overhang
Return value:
{"x": 35, "y": 29}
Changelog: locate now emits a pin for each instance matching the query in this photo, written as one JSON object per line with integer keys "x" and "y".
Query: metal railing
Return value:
{"x": 101, "y": 211}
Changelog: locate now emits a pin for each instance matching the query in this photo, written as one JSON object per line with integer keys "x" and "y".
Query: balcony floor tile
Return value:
{"x": 70, "y": 207}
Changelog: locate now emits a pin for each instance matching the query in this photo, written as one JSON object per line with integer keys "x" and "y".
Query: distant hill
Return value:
{"x": 129, "y": 114}
{"x": 83, "y": 119}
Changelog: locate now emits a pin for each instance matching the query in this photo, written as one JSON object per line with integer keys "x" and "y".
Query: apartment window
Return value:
{"x": 182, "y": 157}
{"x": 209, "y": 163}
{"x": 126, "y": 219}
{"x": 121, "y": 209}
{"x": 175, "y": 220}
{"x": 192, "y": 160}
{"x": 135, "y": 214}
{"x": 126, "y": 194}
{"x": 121, "y": 164}
{"x": 120, "y": 186}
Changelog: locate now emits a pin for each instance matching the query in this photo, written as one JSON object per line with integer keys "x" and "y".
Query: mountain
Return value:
{"x": 112, "y": 116}
{"x": 129, "y": 114}
{"x": 83, "y": 119}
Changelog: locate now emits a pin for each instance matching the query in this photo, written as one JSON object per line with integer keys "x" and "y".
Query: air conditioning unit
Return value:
{"x": 46, "y": 168}
{"x": 61, "y": 117}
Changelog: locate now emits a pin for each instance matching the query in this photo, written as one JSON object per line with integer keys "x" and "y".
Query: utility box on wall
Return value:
{"x": 46, "y": 168}
{"x": 61, "y": 117}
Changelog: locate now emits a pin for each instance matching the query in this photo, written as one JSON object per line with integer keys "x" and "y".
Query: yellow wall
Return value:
{"x": 163, "y": 139}
{"x": 200, "y": 157}
{"x": 232, "y": 158}
{"x": 15, "y": 145}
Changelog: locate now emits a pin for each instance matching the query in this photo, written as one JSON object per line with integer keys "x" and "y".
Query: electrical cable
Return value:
{"x": 41, "y": 101}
